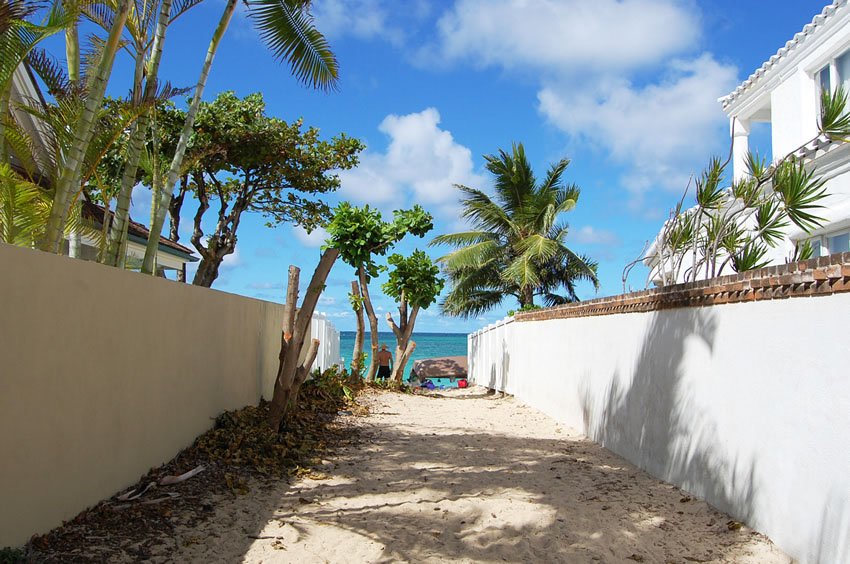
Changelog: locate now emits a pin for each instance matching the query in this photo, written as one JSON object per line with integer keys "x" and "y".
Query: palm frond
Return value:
{"x": 286, "y": 26}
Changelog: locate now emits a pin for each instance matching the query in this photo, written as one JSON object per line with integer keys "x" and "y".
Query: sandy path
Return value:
{"x": 471, "y": 478}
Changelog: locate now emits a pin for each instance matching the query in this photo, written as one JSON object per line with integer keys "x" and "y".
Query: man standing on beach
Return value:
{"x": 385, "y": 361}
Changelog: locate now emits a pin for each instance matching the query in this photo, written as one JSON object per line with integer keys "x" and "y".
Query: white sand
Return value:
{"x": 469, "y": 478}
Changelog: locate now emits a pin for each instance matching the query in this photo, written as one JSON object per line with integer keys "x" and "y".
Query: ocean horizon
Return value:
{"x": 428, "y": 345}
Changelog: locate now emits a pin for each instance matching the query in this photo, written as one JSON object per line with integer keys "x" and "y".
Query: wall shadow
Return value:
{"x": 490, "y": 497}
{"x": 652, "y": 421}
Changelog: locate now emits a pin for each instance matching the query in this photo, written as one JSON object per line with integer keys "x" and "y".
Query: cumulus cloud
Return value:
{"x": 663, "y": 131}
{"x": 588, "y": 235}
{"x": 565, "y": 35}
{"x": 625, "y": 76}
{"x": 363, "y": 19}
{"x": 421, "y": 163}
{"x": 315, "y": 238}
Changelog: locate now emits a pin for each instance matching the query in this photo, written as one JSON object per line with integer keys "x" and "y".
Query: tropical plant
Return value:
{"x": 517, "y": 246}
{"x": 354, "y": 235}
{"x": 737, "y": 226}
{"x": 68, "y": 184}
{"x": 19, "y": 37}
{"x": 361, "y": 235}
{"x": 243, "y": 161}
{"x": 414, "y": 283}
{"x": 287, "y": 28}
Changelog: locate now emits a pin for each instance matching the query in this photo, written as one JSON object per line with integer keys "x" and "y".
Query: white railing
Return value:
{"x": 323, "y": 329}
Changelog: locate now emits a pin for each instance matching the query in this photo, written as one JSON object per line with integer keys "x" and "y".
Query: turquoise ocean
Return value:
{"x": 428, "y": 345}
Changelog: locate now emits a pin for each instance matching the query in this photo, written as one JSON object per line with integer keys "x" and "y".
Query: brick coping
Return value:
{"x": 820, "y": 276}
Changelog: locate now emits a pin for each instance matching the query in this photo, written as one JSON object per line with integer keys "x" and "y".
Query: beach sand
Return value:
{"x": 468, "y": 477}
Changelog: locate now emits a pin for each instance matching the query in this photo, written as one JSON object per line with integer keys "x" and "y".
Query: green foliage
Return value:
{"x": 361, "y": 234}
{"x": 286, "y": 26}
{"x": 24, "y": 209}
{"x": 517, "y": 246}
{"x": 263, "y": 164}
{"x": 414, "y": 279}
{"x": 526, "y": 307}
{"x": 835, "y": 117}
{"x": 738, "y": 226}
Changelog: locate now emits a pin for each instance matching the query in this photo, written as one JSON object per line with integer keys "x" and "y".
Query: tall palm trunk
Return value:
{"x": 68, "y": 183}
{"x": 72, "y": 55}
{"x": 149, "y": 263}
{"x": 135, "y": 146}
{"x": 373, "y": 325}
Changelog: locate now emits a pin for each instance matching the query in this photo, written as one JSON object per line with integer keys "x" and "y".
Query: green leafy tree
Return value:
{"x": 248, "y": 162}
{"x": 517, "y": 246}
{"x": 361, "y": 235}
{"x": 414, "y": 283}
{"x": 356, "y": 235}
{"x": 286, "y": 26}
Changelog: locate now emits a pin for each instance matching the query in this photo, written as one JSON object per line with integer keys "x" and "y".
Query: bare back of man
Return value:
{"x": 385, "y": 359}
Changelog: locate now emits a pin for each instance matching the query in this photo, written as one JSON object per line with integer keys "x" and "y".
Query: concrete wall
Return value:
{"x": 106, "y": 373}
{"x": 746, "y": 405}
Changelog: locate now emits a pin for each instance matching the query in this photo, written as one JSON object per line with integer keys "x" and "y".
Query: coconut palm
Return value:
{"x": 517, "y": 246}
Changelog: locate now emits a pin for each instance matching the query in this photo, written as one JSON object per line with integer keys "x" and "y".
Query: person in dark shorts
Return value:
{"x": 385, "y": 361}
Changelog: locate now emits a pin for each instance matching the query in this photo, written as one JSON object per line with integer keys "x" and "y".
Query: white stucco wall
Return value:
{"x": 105, "y": 373}
{"x": 746, "y": 405}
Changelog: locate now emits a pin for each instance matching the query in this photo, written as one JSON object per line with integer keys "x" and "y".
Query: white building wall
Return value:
{"x": 746, "y": 405}
{"x": 786, "y": 126}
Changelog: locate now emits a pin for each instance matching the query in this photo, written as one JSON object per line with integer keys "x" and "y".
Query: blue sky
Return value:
{"x": 625, "y": 89}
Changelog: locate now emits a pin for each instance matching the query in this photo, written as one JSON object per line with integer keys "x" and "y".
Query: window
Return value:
{"x": 830, "y": 243}
{"x": 839, "y": 243}
{"x": 822, "y": 79}
{"x": 842, "y": 67}
{"x": 833, "y": 74}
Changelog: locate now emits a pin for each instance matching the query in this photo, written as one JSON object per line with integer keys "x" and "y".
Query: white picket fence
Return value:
{"x": 323, "y": 329}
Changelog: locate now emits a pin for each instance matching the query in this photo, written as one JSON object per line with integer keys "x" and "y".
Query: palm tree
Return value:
{"x": 517, "y": 245}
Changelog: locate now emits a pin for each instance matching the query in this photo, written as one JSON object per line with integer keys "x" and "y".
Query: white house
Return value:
{"x": 785, "y": 93}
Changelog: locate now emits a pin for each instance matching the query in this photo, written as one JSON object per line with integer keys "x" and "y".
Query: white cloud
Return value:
{"x": 421, "y": 164}
{"x": 232, "y": 260}
{"x": 566, "y": 34}
{"x": 327, "y": 300}
{"x": 363, "y": 19}
{"x": 316, "y": 238}
{"x": 626, "y": 76}
{"x": 661, "y": 131}
{"x": 591, "y": 236}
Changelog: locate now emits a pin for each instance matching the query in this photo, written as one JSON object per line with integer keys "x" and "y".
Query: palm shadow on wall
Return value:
{"x": 655, "y": 422}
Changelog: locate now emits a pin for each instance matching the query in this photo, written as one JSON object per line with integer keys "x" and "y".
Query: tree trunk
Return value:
{"x": 526, "y": 296}
{"x": 402, "y": 356}
{"x": 403, "y": 331}
{"x": 373, "y": 325}
{"x": 68, "y": 183}
{"x": 303, "y": 372}
{"x": 177, "y": 162}
{"x": 291, "y": 348}
{"x": 357, "y": 354}
{"x": 207, "y": 272}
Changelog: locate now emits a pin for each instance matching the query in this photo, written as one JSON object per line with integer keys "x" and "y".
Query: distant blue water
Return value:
{"x": 428, "y": 345}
